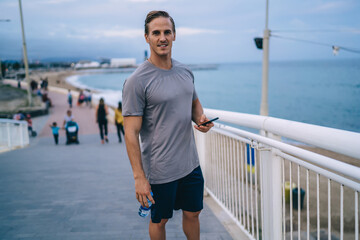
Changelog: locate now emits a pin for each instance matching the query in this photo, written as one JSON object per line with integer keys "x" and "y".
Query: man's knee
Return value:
{"x": 191, "y": 215}
{"x": 161, "y": 224}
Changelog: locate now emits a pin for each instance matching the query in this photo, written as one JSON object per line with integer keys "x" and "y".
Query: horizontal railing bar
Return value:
{"x": 11, "y": 121}
{"x": 336, "y": 140}
{"x": 356, "y": 216}
{"x": 231, "y": 135}
{"x": 321, "y": 171}
{"x": 323, "y": 161}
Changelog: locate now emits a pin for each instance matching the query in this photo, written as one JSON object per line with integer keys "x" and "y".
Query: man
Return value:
{"x": 160, "y": 103}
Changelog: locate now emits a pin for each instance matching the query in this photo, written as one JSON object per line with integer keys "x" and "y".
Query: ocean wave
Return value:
{"x": 111, "y": 97}
{"x": 74, "y": 81}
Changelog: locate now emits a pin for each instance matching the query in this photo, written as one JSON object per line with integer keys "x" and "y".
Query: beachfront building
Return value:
{"x": 107, "y": 63}
{"x": 86, "y": 65}
{"x": 122, "y": 62}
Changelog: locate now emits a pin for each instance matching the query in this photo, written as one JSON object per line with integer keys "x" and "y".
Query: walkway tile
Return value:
{"x": 77, "y": 192}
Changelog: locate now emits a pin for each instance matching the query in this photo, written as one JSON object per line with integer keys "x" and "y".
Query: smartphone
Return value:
{"x": 210, "y": 121}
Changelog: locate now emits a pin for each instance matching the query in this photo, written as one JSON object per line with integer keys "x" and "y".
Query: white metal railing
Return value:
{"x": 253, "y": 177}
{"x": 13, "y": 134}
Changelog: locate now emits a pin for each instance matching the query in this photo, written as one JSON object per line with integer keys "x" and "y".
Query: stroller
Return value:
{"x": 72, "y": 130}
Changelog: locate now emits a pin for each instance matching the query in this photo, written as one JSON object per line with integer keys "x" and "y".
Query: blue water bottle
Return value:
{"x": 144, "y": 211}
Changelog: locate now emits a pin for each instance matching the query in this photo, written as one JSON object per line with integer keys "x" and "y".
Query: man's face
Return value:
{"x": 160, "y": 36}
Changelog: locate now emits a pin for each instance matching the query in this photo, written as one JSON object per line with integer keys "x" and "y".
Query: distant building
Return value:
{"x": 86, "y": 64}
{"x": 122, "y": 62}
{"x": 107, "y": 63}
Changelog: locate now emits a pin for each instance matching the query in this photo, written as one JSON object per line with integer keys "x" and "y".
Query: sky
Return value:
{"x": 207, "y": 31}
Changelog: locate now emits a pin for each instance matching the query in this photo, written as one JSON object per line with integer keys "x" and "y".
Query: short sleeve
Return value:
{"x": 133, "y": 98}
{"x": 194, "y": 95}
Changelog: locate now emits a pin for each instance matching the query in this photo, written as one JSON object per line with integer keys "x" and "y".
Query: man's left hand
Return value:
{"x": 205, "y": 128}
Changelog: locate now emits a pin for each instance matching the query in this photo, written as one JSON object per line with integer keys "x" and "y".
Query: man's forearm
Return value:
{"x": 133, "y": 150}
{"x": 197, "y": 111}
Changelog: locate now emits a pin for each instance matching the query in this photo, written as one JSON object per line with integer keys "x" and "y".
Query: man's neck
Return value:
{"x": 161, "y": 62}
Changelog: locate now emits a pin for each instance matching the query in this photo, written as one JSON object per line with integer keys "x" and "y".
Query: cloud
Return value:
{"x": 146, "y": 1}
{"x": 35, "y": 2}
{"x": 106, "y": 33}
{"x": 297, "y": 24}
{"x": 328, "y": 7}
{"x": 350, "y": 30}
{"x": 129, "y": 33}
{"x": 195, "y": 31}
{"x": 55, "y": 1}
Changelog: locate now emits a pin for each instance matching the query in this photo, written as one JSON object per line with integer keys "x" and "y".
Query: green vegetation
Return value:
{"x": 13, "y": 99}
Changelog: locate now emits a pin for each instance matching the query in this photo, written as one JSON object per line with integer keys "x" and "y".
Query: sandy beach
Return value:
{"x": 56, "y": 79}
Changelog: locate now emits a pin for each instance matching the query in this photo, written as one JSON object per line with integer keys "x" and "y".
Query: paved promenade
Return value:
{"x": 77, "y": 192}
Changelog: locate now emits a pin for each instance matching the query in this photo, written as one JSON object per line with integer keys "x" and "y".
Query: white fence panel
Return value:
{"x": 13, "y": 134}
{"x": 274, "y": 190}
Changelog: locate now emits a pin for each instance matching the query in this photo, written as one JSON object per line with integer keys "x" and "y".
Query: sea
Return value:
{"x": 320, "y": 92}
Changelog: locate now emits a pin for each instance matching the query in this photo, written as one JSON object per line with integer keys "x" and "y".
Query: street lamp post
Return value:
{"x": 1, "y": 75}
{"x": 25, "y": 56}
{"x": 271, "y": 164}
{"x": 264, "y": 108}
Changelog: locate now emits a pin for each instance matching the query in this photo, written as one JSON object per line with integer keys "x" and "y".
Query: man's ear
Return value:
{"x": 174, "y": 36}
{"x": 146, "y": 37}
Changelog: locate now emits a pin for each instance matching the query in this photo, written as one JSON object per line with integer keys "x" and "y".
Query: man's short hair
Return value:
{"x": 156, "y": 14}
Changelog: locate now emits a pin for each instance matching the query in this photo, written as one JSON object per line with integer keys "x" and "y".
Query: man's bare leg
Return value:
{"x": 191, "y": 225}
{"x": 157, "y": 230}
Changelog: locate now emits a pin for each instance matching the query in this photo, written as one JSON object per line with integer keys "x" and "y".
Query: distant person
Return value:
{"x": 68, "y": 118}
{"x": 38, "y": 92}
{"x": 101, "y": 113}
{"x": 19, "y": 116}
{"x": 159, "y": 104}
{"x": 55, "y": 131}
{"x": 30, "y": 129}
{"x": 33, "y": 85}
{"x": 119, "y": 121}
{"x": 69, "y": 98}
{"x": 87, "y": 95}
{"x": 90, "y": 99}
{"x": 81, "y": 98}
{"x": 46, "y": 99}
{"x": 44, "y": 83}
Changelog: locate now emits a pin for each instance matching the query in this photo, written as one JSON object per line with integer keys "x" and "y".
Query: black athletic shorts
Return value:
{"x": 186, "y": 193}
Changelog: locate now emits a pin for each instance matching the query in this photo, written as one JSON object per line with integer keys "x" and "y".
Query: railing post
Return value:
{"x": 8, "y": 135}
{"x": 271, "y": 195}
{"x": 21, "y": 126}
{"x": 26, "y": 139}
{"x": 201, "y": 139}
{"x": 201, "y": 142}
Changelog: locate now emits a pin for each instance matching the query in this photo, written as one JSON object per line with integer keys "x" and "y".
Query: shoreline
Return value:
{"x": 58, "y": 80}
{"x": 325, "y": 152}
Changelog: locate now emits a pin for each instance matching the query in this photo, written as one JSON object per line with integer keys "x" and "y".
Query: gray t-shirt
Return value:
{"x": 164, "y": 99}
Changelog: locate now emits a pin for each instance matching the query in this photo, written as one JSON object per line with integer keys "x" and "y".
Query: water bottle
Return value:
{"x": 144, "y": 211}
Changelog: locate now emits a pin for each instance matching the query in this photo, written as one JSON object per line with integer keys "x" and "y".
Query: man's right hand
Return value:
{"x": 142, "y": 190}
